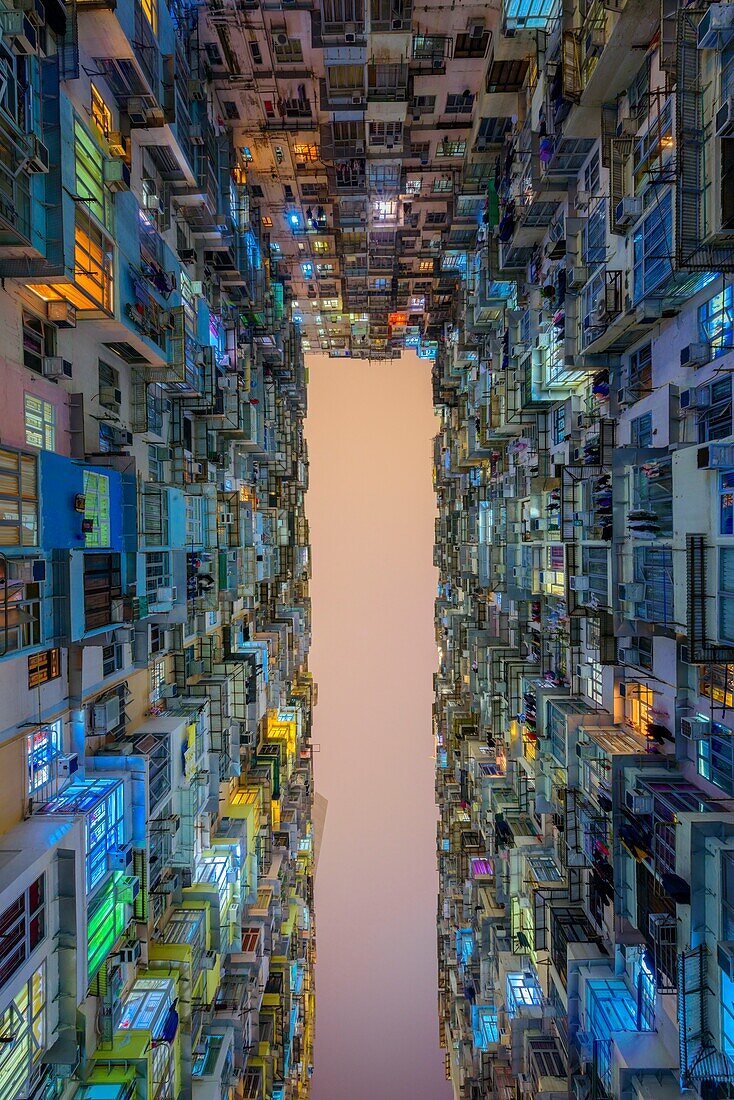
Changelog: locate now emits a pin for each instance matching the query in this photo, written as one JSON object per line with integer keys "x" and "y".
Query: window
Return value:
{"x": 426, "y": 47}
{"x": 93, "y": 264}
{"x": 726, "y": 503}
{"x": 385, "y": 133}
{"x": 449, "y": 148}
{"x": 460, "y": 104}
{"x": 90, "y": 187}
{"x": 595, "y": 566}
{"x": 25, "y": 1020}
{"x": 18, "y": 499}
{"x": 100, "y": 112}
{"x": 425, "y": 265}
{"x": 22, "y": 928}
{"x": 43, "y": 745}
{"x": 346, "y": 78}
{"x": 257, "y": 57}
{"x": 157, "y": 572}
{"x": 105, "y": 830}
{"x": 641, "y": 431}
{"x": 112, "y": 659}
{"x": 716, "y": 761}
{"x": 43, "y": 667}
{"x": 150, "y": 11}
{"x": 653, "y": 567}
{"x": 559, "y": 424}
{"x": 101, "y": 586}
{"x": 97, "y": 509}
{"x": 442, "y": 184}
{"x": 716, "y": 322}
{"x": 727, "y": 892}
{"x": 157, "y": 638}
{"x": 230, "y": 109}
{"x": 595, "y": 235}
{"x": 39, "y": 341}
{"x": 306, "y": 152}
{"x": 726, "y": 594}
{"x": 413, "y": 186}
{"x": 639, "y": 370}
{"x": 157, "y": 680}
{"x": 40, "y": 423}
{"x": 288, "y": 51}
{"x": 423, "y": 104}
{"x": 471, "y": 45}
{"x": 109, "y": 382}
{"x": 714, "y": 420}
{"x": 435, "y": 217}
{"x": 653, "y": 247}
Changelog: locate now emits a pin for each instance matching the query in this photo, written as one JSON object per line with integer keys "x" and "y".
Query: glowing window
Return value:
{"x": 89, "y": 166}
{"x": 43, "y": 745}
{"x": 306, "y": 152}
{"x": 44, "y": 667}
{"x": 40, "y": 423}
{"x": 150, "y": 11}
{"x": 93, "y": 261}
{"x": 97, "y": 508}
{"x": 101, "y": 114}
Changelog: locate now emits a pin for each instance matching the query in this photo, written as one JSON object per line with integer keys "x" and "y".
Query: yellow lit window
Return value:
{"x": 306, "y": 152}
{"x": 40, "y": 423}
{"x": 150, "y": 10}
{"x": 93, "y": 263}
{"x": 267, "y": 222}
{"x": 101, "y": 114}
{"x": 425, "y": 265}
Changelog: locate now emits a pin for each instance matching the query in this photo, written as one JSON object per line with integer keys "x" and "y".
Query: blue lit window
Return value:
{"x": 522, "y": 992}
{"x": 716, "y": 761}
{"x": 645, "y": 984}
{"x": 726, "y": 503}
{"x": 653, "y": 567}
{"x": 653, "y": 246}
{"x": 716, "y": 322}
{"x": 726, "y": 594}
{"x": 641, "y": 430}
{"x": 530, "y": 14}
{"x": 727, "y": 1014}
{"x": 105, "y": 831}
{"x": 43, "y": 746}
{"x": 559, "y": 424}
{"x": 610, "y": 1007}
{"x": 485, "y": 1026}
{"x": 464, "y": 945}
{"x": 595, "y": 235}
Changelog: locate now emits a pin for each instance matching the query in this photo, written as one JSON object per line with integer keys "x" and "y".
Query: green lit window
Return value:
{"x": 90, "y": 186}
{"x": 40, "y": 423}
{"x": 97, "y": 508}
{"x": 106, "y": 922}
{"x": 25, "y": 1020}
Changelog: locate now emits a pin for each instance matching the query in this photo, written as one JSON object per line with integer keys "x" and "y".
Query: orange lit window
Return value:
{"x": 306, "y": 152}
{"x": 93, "y": 263}
{"x": 101, "y": 114}
{"x": 150, "y": 10}
{"x": 267, "y": 222}
{"x": 43, "y": 667}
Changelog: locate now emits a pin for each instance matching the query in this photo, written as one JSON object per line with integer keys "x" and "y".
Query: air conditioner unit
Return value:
{"x": 716, "y": 27}
{"x": 578, "y": 583}
{"x": 576, "y": 276}
{"x": 639, "y": 803}
{"x": 119, "y": 859}
{"x": 628, "y": 210}
{"x": 135, "y": 108}
{"x": 166, "y": 595}
{"x": 226, "y": 518}
{"x": 116, "y": 175}
{"x": 628, "y": 656}
{"x": 130, "y": 953}
{"x": 39, "y": 160}
{"x": 197, "y": 89}
{"x": 19, "y": 32}
{"x": 154, "y": 116}
{"x": 475, "y": 28}
{"x": 62, "y": 314}
{"x": 350, "y": 38}
{"x": 627, "y": 127}
{"x": 53, "y": 366}
{"x": 649, "y": 312}
{"x": 357, "y": 100}
{"x": 28, "y": 570}
{"x": 695, "y": 355}
{"x": 228, "y": 382}
{"x": 632, "y": 592}
{"x": 168, "y": 691}
{"x": 695, "y": 728}
{"x": 108, "y": 395}
{"x": 694, "y": 399}
{"x": 120, "y": 437}
{"x": 716, "y": 456}
{"x": 105, "y": 716}
{"x": 280, "y": 38}
{"x": 123, "y": 635}
{"x": 67, "y": 764}
{"x": 725, "y": 957}
{"x": 196, "y": 668}
{"x": 116, "y": 144}
{"x": 724, "y": 118}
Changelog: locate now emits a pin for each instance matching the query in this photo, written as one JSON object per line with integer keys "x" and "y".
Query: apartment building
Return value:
{"x": 584, "y": 467}
{"x": 156, "y": 845}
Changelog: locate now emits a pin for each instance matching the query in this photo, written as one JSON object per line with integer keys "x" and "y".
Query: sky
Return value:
{"x": 371, "y": 511}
